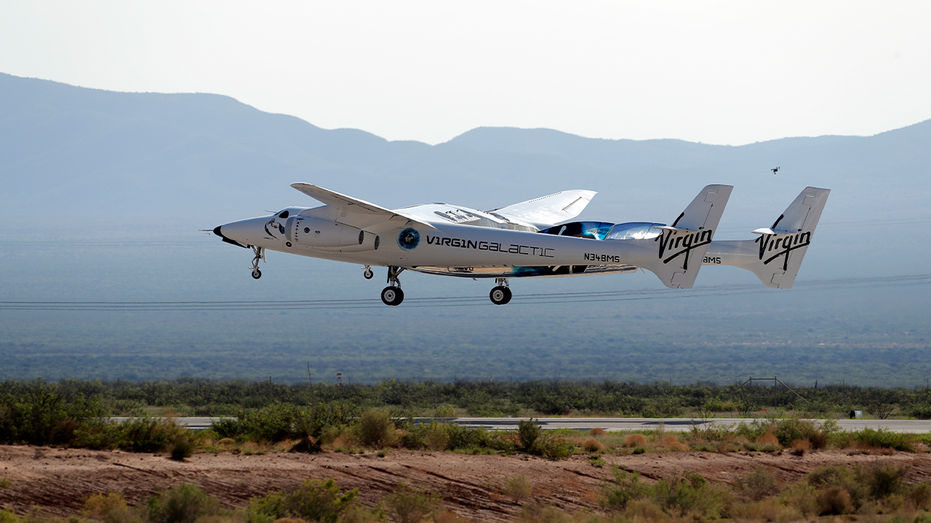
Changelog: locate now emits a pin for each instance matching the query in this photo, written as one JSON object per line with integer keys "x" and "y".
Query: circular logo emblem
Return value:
{"x": 409, "y": 238}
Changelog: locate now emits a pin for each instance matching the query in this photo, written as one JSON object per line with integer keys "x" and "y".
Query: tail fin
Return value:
{"x": 682, "y": 245}
{"x": 776, "y": 255}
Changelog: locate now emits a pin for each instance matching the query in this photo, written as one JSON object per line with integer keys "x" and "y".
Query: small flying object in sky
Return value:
{"x": 774, "y": 170}
{"x": 534, "y": 238}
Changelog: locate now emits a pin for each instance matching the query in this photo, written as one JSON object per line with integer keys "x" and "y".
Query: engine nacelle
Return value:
{"x": 314, "y": 232}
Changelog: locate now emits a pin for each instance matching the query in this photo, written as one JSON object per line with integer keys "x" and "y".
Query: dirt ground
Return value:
{"x": 60, "y": 480}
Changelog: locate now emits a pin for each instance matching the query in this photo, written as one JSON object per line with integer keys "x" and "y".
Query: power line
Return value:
{"x": 459, "y": 301}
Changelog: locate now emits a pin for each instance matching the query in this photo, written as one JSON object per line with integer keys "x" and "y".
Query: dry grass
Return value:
{"x": 673, "y": 443}
{"x": 597, "y": 432}
{"x": 768, "y": 439}
{"x": 634, "y": 440}
{"x": 592, "y": 445}
{"x": 800, "y": 446}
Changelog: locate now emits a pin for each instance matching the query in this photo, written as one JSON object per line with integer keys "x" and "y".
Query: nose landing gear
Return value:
{"x": 259, "y": 255}
{"x": 392, "y": 294}
{"x": 501, "y": 294}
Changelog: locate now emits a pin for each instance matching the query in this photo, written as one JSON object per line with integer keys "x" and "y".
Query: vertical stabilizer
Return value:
{"x": 681, "y": 247}
{"x": 776, "y": 255}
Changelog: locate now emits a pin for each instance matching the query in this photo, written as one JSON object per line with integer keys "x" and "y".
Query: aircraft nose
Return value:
{"x": 217, "y": 231}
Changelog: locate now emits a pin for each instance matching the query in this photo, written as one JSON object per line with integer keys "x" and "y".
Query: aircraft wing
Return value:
{"x": 358, "y": 213}
{"x": 546, "y": 211}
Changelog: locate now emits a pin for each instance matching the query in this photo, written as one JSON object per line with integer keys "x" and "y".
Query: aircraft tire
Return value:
{"x": 368, "y": 274}
{"x": 500, "y": 295}
{"x": 392, "y": 295}
{"x": 256, "y": 273}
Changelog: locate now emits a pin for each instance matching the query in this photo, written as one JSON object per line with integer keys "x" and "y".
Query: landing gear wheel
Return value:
{"x": 256, "y": 273}
{"x": 392, "y": 295}
{"x": 500, "y": 295}
{"x": 368, "y": 273}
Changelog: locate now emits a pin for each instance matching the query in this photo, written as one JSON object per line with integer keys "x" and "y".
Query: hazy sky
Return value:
{"x": 715, "y": 72}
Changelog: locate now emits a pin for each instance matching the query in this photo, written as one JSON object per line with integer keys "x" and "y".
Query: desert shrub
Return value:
{"x": 758, "y": 484}
{"x": 374, "y": 428}
{"x": 149, "y": 434}
{"x": 802, "y": 496}
{"x": 182, "y": 504}
{"x": 436, "y": 436}
{"x": 592, "y": 445}
{"x": 110, "y": 508}
{"x": 539, "y": 513}
{"x": 312, "y": 501}
{"x": 227, "y": 428}
{"x": 673, "y": 443}
{"x": 800, "y": 446}
{"x": 791, "y": 429}
{"x": 39, "y": 416}
{"x": 634, "y": 440}
{"x": 554, "y": 448}
{"x": 517, "y": 488}
{"x": 769, "y": 509}
{"x": 835, "y": 501}
{"x": 690, "y": 494}
{"x": 464, "y": 438}
{"x": 528, "y": 433}
{"x": 181, "y": 449}
{"x": 920, "y": 496}
{"x": 407, "y": 505}
{"x": 8, "y": 516}
{"x": 272, "y": 423}
{"x": 885, "y": 438}
{"x": 883, "y": 480}
{"x": 623, "y": 488}
{"x": 597, "y": 431}
{"x": 831, "y": 479}
{"x": 768, "y": 439}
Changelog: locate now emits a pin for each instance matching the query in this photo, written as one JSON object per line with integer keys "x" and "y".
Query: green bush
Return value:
{"x": 182, "y": 449}
{"x": 690, "y": 494}
{"x": 758, "y": 484}
{"x": 624, "y": 488}
{"x": 375, "y": 428}
{"x": 528, "y": 433}
{"x": 885, "y": 438}
{"x": 149, "y": 434}
{"x": 182, "y": 504}
{"x": 407, "y": 505}
{"x": 40, "y": 416}
{"x": 111, "y": 508}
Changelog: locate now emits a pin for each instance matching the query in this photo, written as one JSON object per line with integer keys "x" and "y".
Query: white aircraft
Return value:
{"x": 532, "y": 238}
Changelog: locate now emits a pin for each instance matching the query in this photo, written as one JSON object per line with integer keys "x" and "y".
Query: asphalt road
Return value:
{"x": 631, "y": 424}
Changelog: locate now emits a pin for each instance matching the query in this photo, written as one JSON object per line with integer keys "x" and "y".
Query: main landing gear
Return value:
{"x": 392, "y": 294}
{"x": 501, "y": 294}
{"x": 259, "y": 255}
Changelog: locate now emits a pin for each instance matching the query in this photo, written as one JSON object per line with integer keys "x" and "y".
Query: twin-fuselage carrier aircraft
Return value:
{"x": 533, "y": 238}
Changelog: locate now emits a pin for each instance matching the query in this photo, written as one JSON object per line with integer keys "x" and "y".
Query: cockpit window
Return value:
{"x": 283, "y": 214}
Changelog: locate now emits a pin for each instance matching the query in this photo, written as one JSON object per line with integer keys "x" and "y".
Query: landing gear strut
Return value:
{"x": 392, "y": 294}
{"x": 501, "y": 294}
{"x": 259, "y": 255}
{"x": 368, "y": 273}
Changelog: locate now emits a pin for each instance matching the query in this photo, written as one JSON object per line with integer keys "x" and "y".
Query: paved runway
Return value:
{"x": 631, "y": 424}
